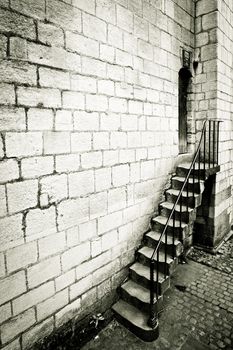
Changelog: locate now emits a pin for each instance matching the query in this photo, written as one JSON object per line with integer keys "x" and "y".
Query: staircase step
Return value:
{"x": 186, "y": 213}
{"x": 139, "y": 296}
{"x": 190, "y": 200}
{"x": 164, "y": 265}
{"x": 175, "y": 247}
{"x": 159, "y": 222}
{"x": 178, "y": 181}
{"x": 205, "y": 170}
{"x": 135, "y": 320}
{"x": 141, "y": 274}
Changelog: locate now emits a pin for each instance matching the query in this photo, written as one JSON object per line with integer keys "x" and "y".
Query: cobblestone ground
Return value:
{"x": 198, "y": 309}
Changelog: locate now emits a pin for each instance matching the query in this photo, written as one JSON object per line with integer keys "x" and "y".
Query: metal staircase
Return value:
{"x": 141, "y": 296}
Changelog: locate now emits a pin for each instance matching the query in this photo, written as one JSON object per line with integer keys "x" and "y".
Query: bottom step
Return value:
{"x": 135, "y": 321}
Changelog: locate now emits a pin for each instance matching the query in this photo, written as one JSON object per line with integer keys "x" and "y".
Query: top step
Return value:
{"x": 204, "y": 169}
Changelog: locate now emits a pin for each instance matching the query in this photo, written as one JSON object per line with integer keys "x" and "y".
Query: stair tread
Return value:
{"x": 182, "y": 179}
{"x": 169, "y": 206}
{"x": 184, "y": 194}
{"x": 132, "y": 314}
{"x": 163, "y": 220}
{"x": 187, "y": 165}
{"x": 144, "y": 271}
{"x": 137, "y": 291}
{"x": 147, "y": 251}
{"x": 156, "y": 236}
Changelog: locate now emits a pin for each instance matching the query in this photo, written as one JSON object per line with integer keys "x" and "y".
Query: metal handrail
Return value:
{"x": 152, "y": 320}
{"x": 181, "y": 190}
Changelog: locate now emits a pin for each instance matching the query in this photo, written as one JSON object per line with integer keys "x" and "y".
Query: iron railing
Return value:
{"x": 205, "y": 158}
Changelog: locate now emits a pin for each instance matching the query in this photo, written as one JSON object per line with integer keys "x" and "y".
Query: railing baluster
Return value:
{"x": 214, "y": 142}
{"x": 173, "y": 232}
{"x": 199, "y": 165}
{"x": 152, "y": 318}
{"x": 194, "y": 184}
{"x": 204, "y": 150}
{"x": 187, "y": 201}
{"x": 209, "y": 142}
{"x": 218, "y": 142}
{"x": 165, "y": 272}
{"x": 180, "y": 231}
{"x": 157, "y": 276}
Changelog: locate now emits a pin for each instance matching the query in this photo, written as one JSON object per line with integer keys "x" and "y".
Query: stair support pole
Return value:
{"x": 153, "y": 320}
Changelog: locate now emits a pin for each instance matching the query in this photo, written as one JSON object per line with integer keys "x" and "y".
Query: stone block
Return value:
{"x": 206, "y": 7}
{"x": 54, "y": 78}
{"x": 11, "y": 119}
{"x": 3, "y": 46}
{"x": 17, "y": 325}
{"x": 56, "y": 142}
{"x": 50, "y": 34}
{"x": 109, "y": 240}
{"x": 73, "y": 99}
{"x": 124, "y": 19}
{"x": 54, "y": 187}
{"x": 98, "y": 205}
{"x": 91, "y": 160}
{"x": 11, "y": 231}
{"x": 39, "y": 97}
{"x": 67, "y": 313}
{"x": 34, "y": 167}
{"x": 40, "y": 119}
{"x": 18, "y": 48}
{"x": 68, "y": 162}
{"x": 82, "y": 83}
{"x": 33, "y": 8}
{"x": 7, "y": 97}
{"x": 37, "y": 333}
{"x": 94, "y": 67}
{"x": 72, "y": 212}
{"x": 118, "y": 105}
{"x": 80, "y": 287}
{"x": 9, "y": 170}
{"x": 84, "y": 121}
{"x": 52, "y": 305}
{"x": 100, "y": 140}
{"x": 21, "y": 256}
{"x": 75, "y": 256}
{"x": 81, "y": 183}
{"x": 105, "y": 9}
{"x": 118, "y": 140}
{"x": 22, "y": 195}
{"x": 97, "y": 103}
{"x": 65, "y": 280}
{"x": 81, "y": 141}
{"x": 65, "y": 15}
{"x": 106, "y": 87}
{"x": 51, "y": 245}
{"x": 120, "y": 175}
{"x": 85, "y": 5}
{"x": 12, "y": 286}
{"x": 12, "y": 22}
{"x": 109, "y": 222}
{"x": 23, "y": 144}
{"x": 40, "y": 223}
{"x": 87, "y": 231}
{"x": 18, "y": 72}
{"x": 33, "y": 297}
{"x": 5, "y": 312}
{"x": 103, "y": 179}
{"x": 94, "y": 28}
{"x": 145, "y": 50}
{"x": 116, "y": 199}
{"x": 115, "y": 36}
{"x": 43, "y": 271}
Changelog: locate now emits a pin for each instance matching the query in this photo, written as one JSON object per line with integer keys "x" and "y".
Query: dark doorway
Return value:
{"x": 184, "y": 80}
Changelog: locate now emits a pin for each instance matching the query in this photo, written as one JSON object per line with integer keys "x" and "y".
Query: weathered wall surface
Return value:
{"x": 88, "y": 124}
{"x": 213, "y": 87}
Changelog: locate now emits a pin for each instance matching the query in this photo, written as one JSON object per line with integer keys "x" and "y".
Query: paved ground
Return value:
{"x": 198, "y": 309}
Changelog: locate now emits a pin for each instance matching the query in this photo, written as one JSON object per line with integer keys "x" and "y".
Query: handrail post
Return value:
{"x": 152, "y": 322}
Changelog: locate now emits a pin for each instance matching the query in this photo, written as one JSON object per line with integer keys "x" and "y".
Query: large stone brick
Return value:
{"x": 73, "y": 99}
{"x": 105, "y": 9}
{"x": 36, "y": 166}
{"x": 82, "y": 45}
{"x": 5, "y": 312}
{"x": 40, "y": 223}
{"x": 82, "y": 83}
{"x": 17, "y": 325}
{"x": 64, "y": 120}
{"x": 39, "y": 97}
{"x": 94, "y": 28}
{"x": 43, "y": 271}
{"x": 54, "y": 78}
{"x": 51, "y": 245}
{"x": 72, "y": 212}
{"x": 54, "y": 188}
{"x": 11, "y": 231}
{"x": 68, "y": 312}
{"x": 7, "y": 97}
{"x": 98, "y": 205}
{"x": 56, "y": 142}
{"x": 12, "y": 286}
{"x": 124, "y": 19}
{"x": 11, "y": 118}
{"x": 37, "y": 333}
{"x": 18, "y": 72}
{"x": 85, "y": 5}
{"x": 52, "y": 305}
{"x": 65, "y": 15}
{"x": 22, "y": 195}
{"x": 33, "y": 297}
{"x": 75, "y": 256}
{"x": 23, "y": 144}
{"x": 80, "y": 287}
{"x": 109, "y": 222}
{"x": 84, "y": 121}
{"x": 33, "y": 8}
{"x": 40, "y": 119}
{"x": 21, "y": 256}
{"x": 68, "y": 162}
{"x": 12, "y": 22}
{"x": 65, "y": 280}
{"x": 81, "y": 183}
{"x": 9, "y": 170}
{"x": 50, "y": 34}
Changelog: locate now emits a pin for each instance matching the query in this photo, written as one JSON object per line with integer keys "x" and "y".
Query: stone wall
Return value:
{"x": 89, "y": 135}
